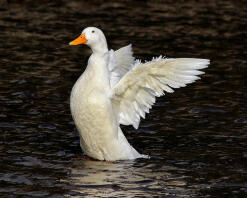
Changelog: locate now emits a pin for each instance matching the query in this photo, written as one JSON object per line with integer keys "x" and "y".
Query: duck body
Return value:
{"x": 100, "y": 135}
{"x": 100, "y": 99}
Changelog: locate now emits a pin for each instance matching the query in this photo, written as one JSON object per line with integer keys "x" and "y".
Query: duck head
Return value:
{"x": 94, "y": 38}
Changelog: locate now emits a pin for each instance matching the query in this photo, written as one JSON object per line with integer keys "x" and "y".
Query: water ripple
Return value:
{"x": 196, "y": 137}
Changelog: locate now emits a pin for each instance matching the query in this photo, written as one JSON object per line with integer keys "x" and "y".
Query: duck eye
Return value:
{"x": 92, "y": 31}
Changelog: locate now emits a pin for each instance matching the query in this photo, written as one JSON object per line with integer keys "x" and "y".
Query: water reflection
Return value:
{"x": 127, "y": 178}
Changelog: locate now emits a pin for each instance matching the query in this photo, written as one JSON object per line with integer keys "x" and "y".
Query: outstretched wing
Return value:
{"x": 135, "y": 93}
{"x": 119, "y": 63}
{"x": 125, "y": 58}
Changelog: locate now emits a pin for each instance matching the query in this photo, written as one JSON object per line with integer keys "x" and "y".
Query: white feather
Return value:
{"x": 119, "y": 63}
{"x": 135, "y": 93}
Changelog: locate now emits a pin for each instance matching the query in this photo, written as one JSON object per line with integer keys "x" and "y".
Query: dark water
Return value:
{"x": 196, "y": 137}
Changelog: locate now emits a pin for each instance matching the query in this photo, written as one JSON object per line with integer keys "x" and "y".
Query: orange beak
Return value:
{"x": 80, "y": 40}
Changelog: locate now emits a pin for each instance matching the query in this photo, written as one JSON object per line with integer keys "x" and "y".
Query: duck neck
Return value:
{"x": 100, "y": 47}
{"x": 98, "y": 65}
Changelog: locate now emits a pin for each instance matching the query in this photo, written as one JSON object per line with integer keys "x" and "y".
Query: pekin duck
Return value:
{"x": 117, "y": 89}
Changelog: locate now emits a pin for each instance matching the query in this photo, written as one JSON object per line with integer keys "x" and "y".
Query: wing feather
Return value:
{"x": 135, "y": 93}
{"x": 124, "y": 58}
{"x": 119, "y": 63}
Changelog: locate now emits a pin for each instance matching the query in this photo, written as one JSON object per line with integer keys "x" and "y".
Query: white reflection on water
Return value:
{"x": 124, "y": 179}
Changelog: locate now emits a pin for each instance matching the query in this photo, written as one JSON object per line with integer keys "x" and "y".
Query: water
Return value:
{"x": 196, "y": 137}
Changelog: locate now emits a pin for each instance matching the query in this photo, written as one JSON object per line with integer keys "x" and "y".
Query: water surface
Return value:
{"x": 196, "y": 137}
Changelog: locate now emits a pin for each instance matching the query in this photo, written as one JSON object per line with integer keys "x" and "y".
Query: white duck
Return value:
{"x": 115, "y": 89}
